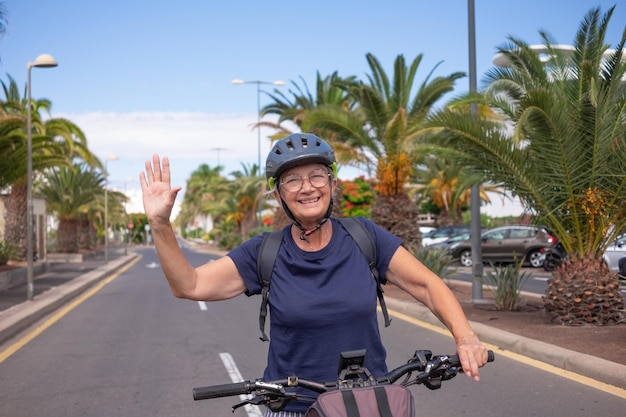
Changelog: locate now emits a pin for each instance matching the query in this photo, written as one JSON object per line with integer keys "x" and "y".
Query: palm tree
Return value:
{"x": 385, "y": 126}
{"x": 562, "y": 153}
{"x": 199, "y": 191}
{"x": 55, "y": 142}
{"x": 250, "y": 200}
{"x": 69, "y": 193}
{"x": 293, "y": 109}
{"x": 3, "y": 19}
{"x": 445, "y": 182}
{"x": 12, "y": 151}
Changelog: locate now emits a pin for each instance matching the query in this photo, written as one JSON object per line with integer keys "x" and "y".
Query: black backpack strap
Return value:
{"x": 349, "y": 401}
{"x": 265, "y": 265}
{"x": 382, "y": 401}
{"x": 364, "y": 240}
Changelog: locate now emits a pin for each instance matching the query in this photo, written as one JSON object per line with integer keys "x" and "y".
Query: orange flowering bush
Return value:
{"x": 357, "y": 197}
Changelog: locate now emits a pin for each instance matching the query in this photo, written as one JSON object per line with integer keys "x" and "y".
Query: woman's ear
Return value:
{"x": 277, "y": 196}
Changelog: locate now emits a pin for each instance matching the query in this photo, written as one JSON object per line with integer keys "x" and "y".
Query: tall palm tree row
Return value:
{"x": 560, "y": 147}
{"x": 55, "y": 142}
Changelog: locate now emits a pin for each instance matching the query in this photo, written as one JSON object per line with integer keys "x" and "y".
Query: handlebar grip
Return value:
{"x": 225, "y": 390}
{"x": 454, "y": 359}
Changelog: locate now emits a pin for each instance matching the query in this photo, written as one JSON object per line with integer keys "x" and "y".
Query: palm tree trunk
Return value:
{"x": 15, "y": 230}
{"x": 399, "y": 215}
{"x": 67, "y": 236}
{"x": 86, "y": 233}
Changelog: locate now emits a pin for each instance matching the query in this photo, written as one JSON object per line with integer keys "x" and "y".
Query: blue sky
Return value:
{"x": 146, "y": 76}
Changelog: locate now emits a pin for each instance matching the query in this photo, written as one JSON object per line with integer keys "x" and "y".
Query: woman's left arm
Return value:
{"x": 409, "y": 274}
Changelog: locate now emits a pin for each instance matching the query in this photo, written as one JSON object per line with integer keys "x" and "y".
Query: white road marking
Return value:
{"x": 235, "y": 376}
{"x": 202, "y": 305}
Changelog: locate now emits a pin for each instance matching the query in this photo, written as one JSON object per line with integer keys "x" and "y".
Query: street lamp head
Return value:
{"x": 43, "y": 61}
{"x": 112, "y": 157}
{"x": 258, "y": 83}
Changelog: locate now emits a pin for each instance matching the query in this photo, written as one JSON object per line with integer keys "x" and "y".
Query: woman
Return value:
{"x": 323, "y": 298}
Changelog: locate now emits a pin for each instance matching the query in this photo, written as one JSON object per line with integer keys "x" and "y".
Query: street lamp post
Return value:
{"x": 111, "y": 157}
{"x": 42, "y": 61}
{"x": 258, "y": 112}
{"x": 475, "y": 229}
{"x": 258, "y": 106}
{"x": 126, "y": 217}
{"x": 218, "y": 154}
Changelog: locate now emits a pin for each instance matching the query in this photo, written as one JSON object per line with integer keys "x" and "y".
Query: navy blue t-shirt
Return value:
{"x": 320, "y": 303}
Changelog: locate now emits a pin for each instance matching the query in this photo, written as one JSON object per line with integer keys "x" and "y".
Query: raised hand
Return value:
{"x": 158, "y": 195}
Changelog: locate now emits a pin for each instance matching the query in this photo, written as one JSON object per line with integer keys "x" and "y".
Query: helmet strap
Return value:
{"x": 303, "y": 231}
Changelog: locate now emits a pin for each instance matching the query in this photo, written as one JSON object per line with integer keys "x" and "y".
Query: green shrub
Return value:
{"x": 229, "y": 241}
{"x": 437, "y": 260}
{"x": 505, "y": 282}
{"x": 7, "y": 251}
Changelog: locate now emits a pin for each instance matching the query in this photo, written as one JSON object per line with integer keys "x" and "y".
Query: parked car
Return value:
{"x": 426, "y": 229}
{"x": 450, "y": 241}
{"x": 442, "y": 234}
{"x": 615, "y": 252}
{"x": 507, "y": 244}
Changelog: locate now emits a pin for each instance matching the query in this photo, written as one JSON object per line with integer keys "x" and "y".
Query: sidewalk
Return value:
{"x": 64, "y": 281}
{"x": 55, "y": 286}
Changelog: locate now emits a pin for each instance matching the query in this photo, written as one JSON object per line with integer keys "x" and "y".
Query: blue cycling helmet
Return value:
{"x": 298, "y": 149}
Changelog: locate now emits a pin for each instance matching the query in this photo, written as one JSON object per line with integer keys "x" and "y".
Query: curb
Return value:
{"x": 579, "y": 363}
{"x": 23, "y": 315}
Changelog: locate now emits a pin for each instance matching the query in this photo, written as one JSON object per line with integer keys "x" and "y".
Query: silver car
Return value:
{"x": 615, "y": 252}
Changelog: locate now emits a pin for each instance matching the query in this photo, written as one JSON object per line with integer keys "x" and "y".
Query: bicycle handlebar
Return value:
{"x": 443, "y": 367}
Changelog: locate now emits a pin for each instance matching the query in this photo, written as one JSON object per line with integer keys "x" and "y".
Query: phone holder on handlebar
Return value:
{"x": 352, "y": 372}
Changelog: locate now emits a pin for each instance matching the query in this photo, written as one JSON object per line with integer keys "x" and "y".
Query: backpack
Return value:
{"x": 358, "y": 394}
{"x": 269, "y": 251}
{"x": 373, "y": 401}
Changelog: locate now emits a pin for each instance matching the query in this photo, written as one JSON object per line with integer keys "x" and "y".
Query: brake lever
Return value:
{"x": 256, "y": 400}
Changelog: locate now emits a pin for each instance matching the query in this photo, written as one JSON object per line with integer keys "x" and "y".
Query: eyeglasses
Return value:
{"x": 294, "y": 182}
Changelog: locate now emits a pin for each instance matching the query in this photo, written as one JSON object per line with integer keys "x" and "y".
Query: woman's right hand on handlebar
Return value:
{"x": 472, "y": 355}
{"x": 158, "y": 195}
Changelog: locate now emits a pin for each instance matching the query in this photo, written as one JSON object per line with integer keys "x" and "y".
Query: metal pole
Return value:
{"x": 126, "y": 218}
{"x": 29, "y": 194}
{"x": 475, "y": 226}
{"x": 258, "y": 128}
{"x": 42, "y": 61}
{"x": 258, "y": 121}
{"x": 106, "y": 209}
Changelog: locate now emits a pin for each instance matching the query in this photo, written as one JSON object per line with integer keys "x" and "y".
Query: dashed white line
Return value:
{"x": 202, "y": 305}
{"x": 235, "y": 376}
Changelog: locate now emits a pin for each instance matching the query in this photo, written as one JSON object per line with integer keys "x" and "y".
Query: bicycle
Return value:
{"x": 432, "y": 370}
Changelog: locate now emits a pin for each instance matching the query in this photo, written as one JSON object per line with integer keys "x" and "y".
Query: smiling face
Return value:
{"x": 308, "y": 203}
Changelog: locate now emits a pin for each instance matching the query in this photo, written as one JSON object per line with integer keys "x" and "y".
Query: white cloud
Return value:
{"x": 180, "y": 135}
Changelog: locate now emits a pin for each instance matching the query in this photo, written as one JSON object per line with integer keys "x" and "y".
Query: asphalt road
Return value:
{"x": 132, "y": 349}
